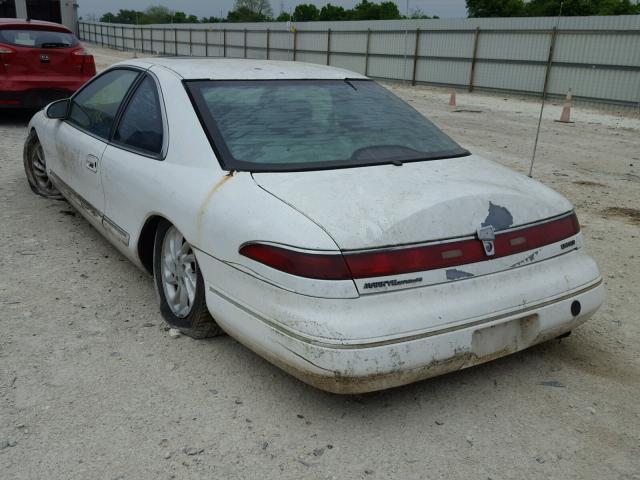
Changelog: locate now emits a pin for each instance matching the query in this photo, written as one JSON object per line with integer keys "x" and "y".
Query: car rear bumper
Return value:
{"x": 37, "y": 93}
{"x": 32, "y": 99}
{"x": 349, "y": 365}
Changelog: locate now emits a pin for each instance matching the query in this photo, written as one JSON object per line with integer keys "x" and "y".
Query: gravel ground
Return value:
{"x": 93, "y": 387}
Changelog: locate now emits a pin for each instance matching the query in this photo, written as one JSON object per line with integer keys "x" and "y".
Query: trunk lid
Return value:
{"x": 374, "y": 209}
{"x": 53, "y": 62}
{"x": 380, "y": 206}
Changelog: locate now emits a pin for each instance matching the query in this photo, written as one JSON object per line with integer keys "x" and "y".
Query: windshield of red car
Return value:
{"x": 275, "y": 125}
{"x": 38, "y": 38}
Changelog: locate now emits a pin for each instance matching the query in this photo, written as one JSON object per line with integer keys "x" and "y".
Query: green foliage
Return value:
{"x": 283, "y": 17}
{"x": 330, "y": 13}
{"x": 306, "y": 12}
{"x": 251, "y": 10}
{"x": 260, "y": 11}
{"x": 495, "y": 8}
{"x": 550, "y": 8}
{"x": 547, "y": 8}
{"x": 244, "y": 14}
{"x": 366, "y": 10}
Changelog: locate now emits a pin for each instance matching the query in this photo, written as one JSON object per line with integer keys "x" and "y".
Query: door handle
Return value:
{"x": 91, "y": 162}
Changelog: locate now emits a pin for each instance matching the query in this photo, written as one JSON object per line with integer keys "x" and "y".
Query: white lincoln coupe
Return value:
{"x": 315, "y": 217}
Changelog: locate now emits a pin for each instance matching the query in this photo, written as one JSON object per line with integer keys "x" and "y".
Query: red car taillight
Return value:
{"x": 380, "y": 263}
{"x": 5, "y": 52}
{"x": 310, "y": 265}
{"x": 84, "y": 60}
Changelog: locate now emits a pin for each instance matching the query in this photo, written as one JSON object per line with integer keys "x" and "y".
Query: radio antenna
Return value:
{"x": 544, "y": 89}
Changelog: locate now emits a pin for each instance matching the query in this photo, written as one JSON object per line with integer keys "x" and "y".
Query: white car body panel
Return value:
{"x": 431, "y": 200}
{"x": 336, "y": 335}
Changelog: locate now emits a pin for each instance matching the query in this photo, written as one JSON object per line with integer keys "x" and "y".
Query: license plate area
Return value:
{"x": 504, "y": 338}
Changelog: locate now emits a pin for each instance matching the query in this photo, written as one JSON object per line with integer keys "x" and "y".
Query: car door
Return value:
{"x": 83, "y": 137}
{"x": 132, "y": 161}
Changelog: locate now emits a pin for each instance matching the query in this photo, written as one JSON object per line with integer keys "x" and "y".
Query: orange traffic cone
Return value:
{"x": 452, "y": 99}
{"x": 565, "y": 116}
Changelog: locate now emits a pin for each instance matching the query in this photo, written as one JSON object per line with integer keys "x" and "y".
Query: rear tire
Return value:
{"x": 35, "y": 166}
{"x": 180, "y": 285}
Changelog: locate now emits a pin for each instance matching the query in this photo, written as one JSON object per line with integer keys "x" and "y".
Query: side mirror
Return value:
{"x": 58, "y": 109}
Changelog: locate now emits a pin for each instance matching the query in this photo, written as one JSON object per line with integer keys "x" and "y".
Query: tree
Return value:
{"x": 551, "y": 8}
{"x": 418, "y": 14}
{"x": 158, "y": 14}
{"x": 243, "y": 14}
{"x": 306, "y": 12}
{"x": 211, "y": 20}
{"x": 283, "y": 17}
{"x": 366, "y": 10}
{"x": 389, "y": 11}
{"x": 495, "y": 8}
{"x": 262, "y": 8}
{"x": 331, "y": 13}
{"x": 108, "y": 18}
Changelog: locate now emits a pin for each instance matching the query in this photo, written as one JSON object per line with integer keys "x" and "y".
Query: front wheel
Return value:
{"x": 180, "y": 285}
{"x": 35, "y": 166}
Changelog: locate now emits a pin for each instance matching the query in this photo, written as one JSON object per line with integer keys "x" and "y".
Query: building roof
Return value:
{"x": 244, "y": 69}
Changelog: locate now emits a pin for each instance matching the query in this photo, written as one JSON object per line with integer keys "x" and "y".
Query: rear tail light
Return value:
{"x": 380, "y": 263}
{"x": 4, "y": 51}
{"x": 310, "y": 265}
{"x": 84, "y": 60}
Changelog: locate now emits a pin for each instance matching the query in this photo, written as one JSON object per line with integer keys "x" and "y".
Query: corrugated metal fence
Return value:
{"x": 598, "y": 58}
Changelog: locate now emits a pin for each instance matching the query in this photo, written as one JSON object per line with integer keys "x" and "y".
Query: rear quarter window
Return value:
{"x": 38, "y": 38}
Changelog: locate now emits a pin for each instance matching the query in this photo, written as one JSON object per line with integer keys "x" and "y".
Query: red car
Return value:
{"x": 40, "y": 62}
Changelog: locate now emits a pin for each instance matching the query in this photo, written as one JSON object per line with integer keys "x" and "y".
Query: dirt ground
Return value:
{"x": 93, "y": 387}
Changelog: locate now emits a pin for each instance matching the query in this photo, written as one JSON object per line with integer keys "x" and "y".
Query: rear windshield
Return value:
{"x": 38, "y": 38}
{"x": 285, "y": 125}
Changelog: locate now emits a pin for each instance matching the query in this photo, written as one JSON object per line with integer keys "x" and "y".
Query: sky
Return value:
{"x": 208, "y": 8}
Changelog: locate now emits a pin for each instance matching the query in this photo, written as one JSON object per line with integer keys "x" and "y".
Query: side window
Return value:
{"x": 95, "y": 107}
{"x": 141, "y": 124}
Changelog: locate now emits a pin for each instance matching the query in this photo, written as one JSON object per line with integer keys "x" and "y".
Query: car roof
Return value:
{"x": 193, "y": 68}
{"x": 33, "y": 24}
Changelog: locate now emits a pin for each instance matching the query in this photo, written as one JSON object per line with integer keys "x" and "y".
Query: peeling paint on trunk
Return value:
{"x": 528, "y": 259}
{"x": 455, "y": 274}
{"x": 499, "y": 217}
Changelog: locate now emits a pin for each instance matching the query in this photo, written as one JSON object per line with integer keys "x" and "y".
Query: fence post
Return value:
{"x": 190, "y": 42}
{"x": 268, "y": 35}
{"x": 476, "y": 35}
{"x": 366, "y": 53}
{"x": 328, "y": 46}
{"x": 224, "y": 42}
{"x": 295, "y": 43}
{"x": 164, "y": 41}
{"x": 151, "y": 31}
{"x": 175, "y": 41}
{"x": 244, "y": 44}
{"x": 547, "y": 74}
{"x": 415, "y": 57}
{"x": 101, "y": 36}
{"x": 206, "y": 42}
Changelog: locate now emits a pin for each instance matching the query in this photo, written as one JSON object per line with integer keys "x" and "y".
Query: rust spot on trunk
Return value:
{"x": 205, "y": 204}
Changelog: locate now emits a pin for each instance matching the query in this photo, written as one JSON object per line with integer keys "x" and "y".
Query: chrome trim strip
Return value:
{"x": 80, "y": 202}
{"x": 343, "y": 346}
{"x": 74, "y": 197}
{"x": 120, "y": 234}
{"x": 407, "y": 245}
{"x": 457, "y": 239}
